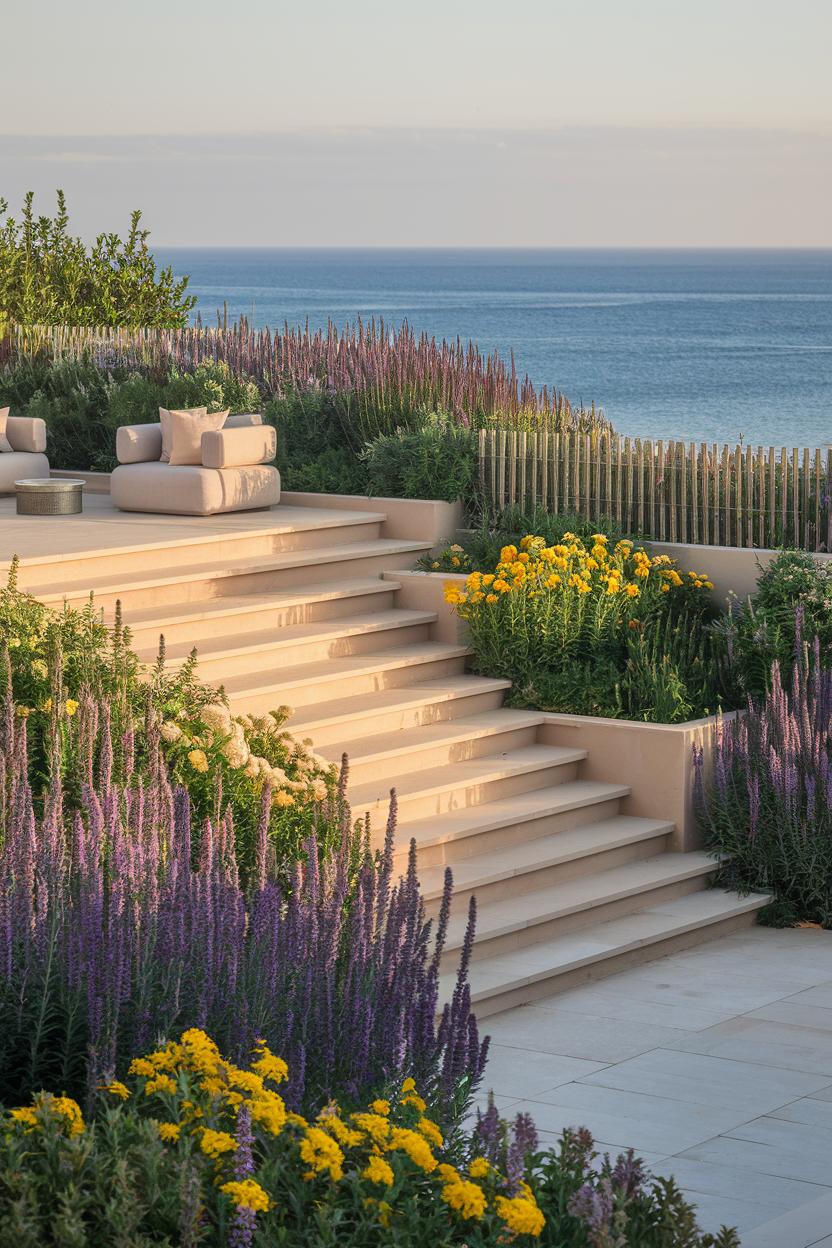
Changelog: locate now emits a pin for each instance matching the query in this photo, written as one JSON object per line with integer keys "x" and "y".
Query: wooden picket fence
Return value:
{"x": 669, "y": 491}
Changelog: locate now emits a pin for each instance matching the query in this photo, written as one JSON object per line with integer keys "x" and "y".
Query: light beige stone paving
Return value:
{"x": 714, "y": 1064}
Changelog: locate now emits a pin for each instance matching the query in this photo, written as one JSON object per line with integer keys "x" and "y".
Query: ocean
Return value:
{"x": 714, "y": 345}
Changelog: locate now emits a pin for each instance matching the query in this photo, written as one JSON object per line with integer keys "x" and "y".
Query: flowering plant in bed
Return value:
{"x": 260, "y": 1173}
{"x": 594, "y": 628}
{"x": 224, "y": 759}
{"x": 191, "y": 1148}
{"x": 121, "y": 921}
{"x": 766, "y": 807}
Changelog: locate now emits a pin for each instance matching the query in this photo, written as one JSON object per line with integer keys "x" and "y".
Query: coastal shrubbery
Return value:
{"x": 364, "y": 410}
{"x": 49, "y": 277}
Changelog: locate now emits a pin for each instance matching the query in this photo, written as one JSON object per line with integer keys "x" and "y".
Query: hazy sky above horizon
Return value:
{"x": 543, "y": 122}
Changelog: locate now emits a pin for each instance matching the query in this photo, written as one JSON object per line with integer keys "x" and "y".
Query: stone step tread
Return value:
{"x": 472, "y": 771}
{"x": 348, "y": 665}
{"x": 112, "y": 583}
{"x": 426, "y": 693}
{"x": 266, "y": 639}
{"x": 559, "y": 955}
{"x": 513, "y": 914}
{"x": 446, "y": 732}
{"x": 495, "y": 865}
{"x": 239, "y": 528}
{"x": 510, "y": 811}
{"x": 260, "y": 600}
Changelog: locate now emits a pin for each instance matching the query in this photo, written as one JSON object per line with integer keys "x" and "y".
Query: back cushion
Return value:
{"x": 186, "y": 430}
{"x": 164, "y": 421}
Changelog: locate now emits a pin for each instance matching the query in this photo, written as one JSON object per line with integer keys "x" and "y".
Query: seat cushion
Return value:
{"x": 189, "y": 490}
{"x": 17, "y": 465}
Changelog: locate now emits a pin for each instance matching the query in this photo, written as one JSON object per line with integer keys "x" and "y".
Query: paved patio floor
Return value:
{"x": 714, "y": 1064}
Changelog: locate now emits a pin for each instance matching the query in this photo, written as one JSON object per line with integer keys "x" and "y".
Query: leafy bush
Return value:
{"x": 84, "y": 405}
{"x": 593, "y": 631}
{"x": 437, "y": 459}
{"x": 118, "y": 928}
{"x": 47, "y": 277}
{"x": 761, "y": 631}
{"x": 315, "y": 451}
{"x": 766, "y": 807}
{"x": 592, "y": 1205}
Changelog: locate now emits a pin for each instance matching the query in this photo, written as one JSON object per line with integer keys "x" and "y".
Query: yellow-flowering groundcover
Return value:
{"x": 592, "y": 627}
{"x": 380, "y": 1174}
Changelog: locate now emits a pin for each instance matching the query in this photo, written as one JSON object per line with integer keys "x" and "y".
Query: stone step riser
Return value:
{"x": 211, "y": 588}
{"x": 237, "y": 626}
{"x": 440, "y": 755}
{"x": 343, "y": 686}
{"x": 222, "y": 550}
{"x": 447, "y": 853}
{"x": 533, "y": 934}
{"x": 424, "y": 806}
{"x": 367, "y": 723}
{"x": 489, "y": 1003}
{"x": 269, "y": 664}
{"x": 562, "y": 873}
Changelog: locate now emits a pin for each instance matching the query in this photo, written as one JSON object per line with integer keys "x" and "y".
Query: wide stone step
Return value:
{"x": 131, "y": 541}
{"x": 512, "y": 923}
{"x": 439, "y": 790}
{"x": 237, "y": 615}
{"x": 344, "y": 677}
{"x": 223, "y": 657}
{"x": 547, "y": 862}
{"x": 201, "y": 582}
{"x": 518, "y": 977}
{"x": 393, "y": 710}
{"x": 429, "y": 746}
{"x": 453, "y": 837}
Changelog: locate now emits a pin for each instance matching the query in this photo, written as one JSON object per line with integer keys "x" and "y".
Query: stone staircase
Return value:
{"x": 294, "y": 611}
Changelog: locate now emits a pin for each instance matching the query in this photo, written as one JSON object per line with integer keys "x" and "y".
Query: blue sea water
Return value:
{"x": 712, "y": 345}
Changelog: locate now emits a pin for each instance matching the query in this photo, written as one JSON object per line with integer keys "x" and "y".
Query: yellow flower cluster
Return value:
{"x": 59, "y": 1109}
{"x": 391, "y": 1142}
{"x": 570, "y": 567}
{"x": 247, "y": 1194}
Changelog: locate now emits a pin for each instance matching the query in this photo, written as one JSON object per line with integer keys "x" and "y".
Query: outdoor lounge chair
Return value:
{"x": 26, "y": 459}
{"x": 236, "y": 472}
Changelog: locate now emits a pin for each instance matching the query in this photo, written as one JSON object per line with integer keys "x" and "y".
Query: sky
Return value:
{"x": 450, "y": 122}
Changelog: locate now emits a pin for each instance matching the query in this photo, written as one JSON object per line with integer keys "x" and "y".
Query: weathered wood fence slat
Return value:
{"x": 670, "y": 491}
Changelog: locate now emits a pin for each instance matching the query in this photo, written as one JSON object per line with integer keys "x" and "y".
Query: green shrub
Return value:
{"x": 436, "y": 459}
{"x": 316, "y": 451}
{"x": 47, "y": 277}
{"x": 762, "y": 630}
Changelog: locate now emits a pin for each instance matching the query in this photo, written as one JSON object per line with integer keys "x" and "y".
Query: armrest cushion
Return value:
{"x": 243, "y": 420}
{"x": 138, "y": 444}
{"x": 26, "y": 433}
{"x": 239, "y": 447}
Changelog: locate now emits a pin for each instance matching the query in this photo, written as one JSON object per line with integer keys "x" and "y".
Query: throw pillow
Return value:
{"x": 186, "y": 430}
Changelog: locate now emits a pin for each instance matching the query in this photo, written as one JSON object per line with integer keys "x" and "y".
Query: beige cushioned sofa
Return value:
{"x": 27, "y": 436}
{"x": 235, "y": 474}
